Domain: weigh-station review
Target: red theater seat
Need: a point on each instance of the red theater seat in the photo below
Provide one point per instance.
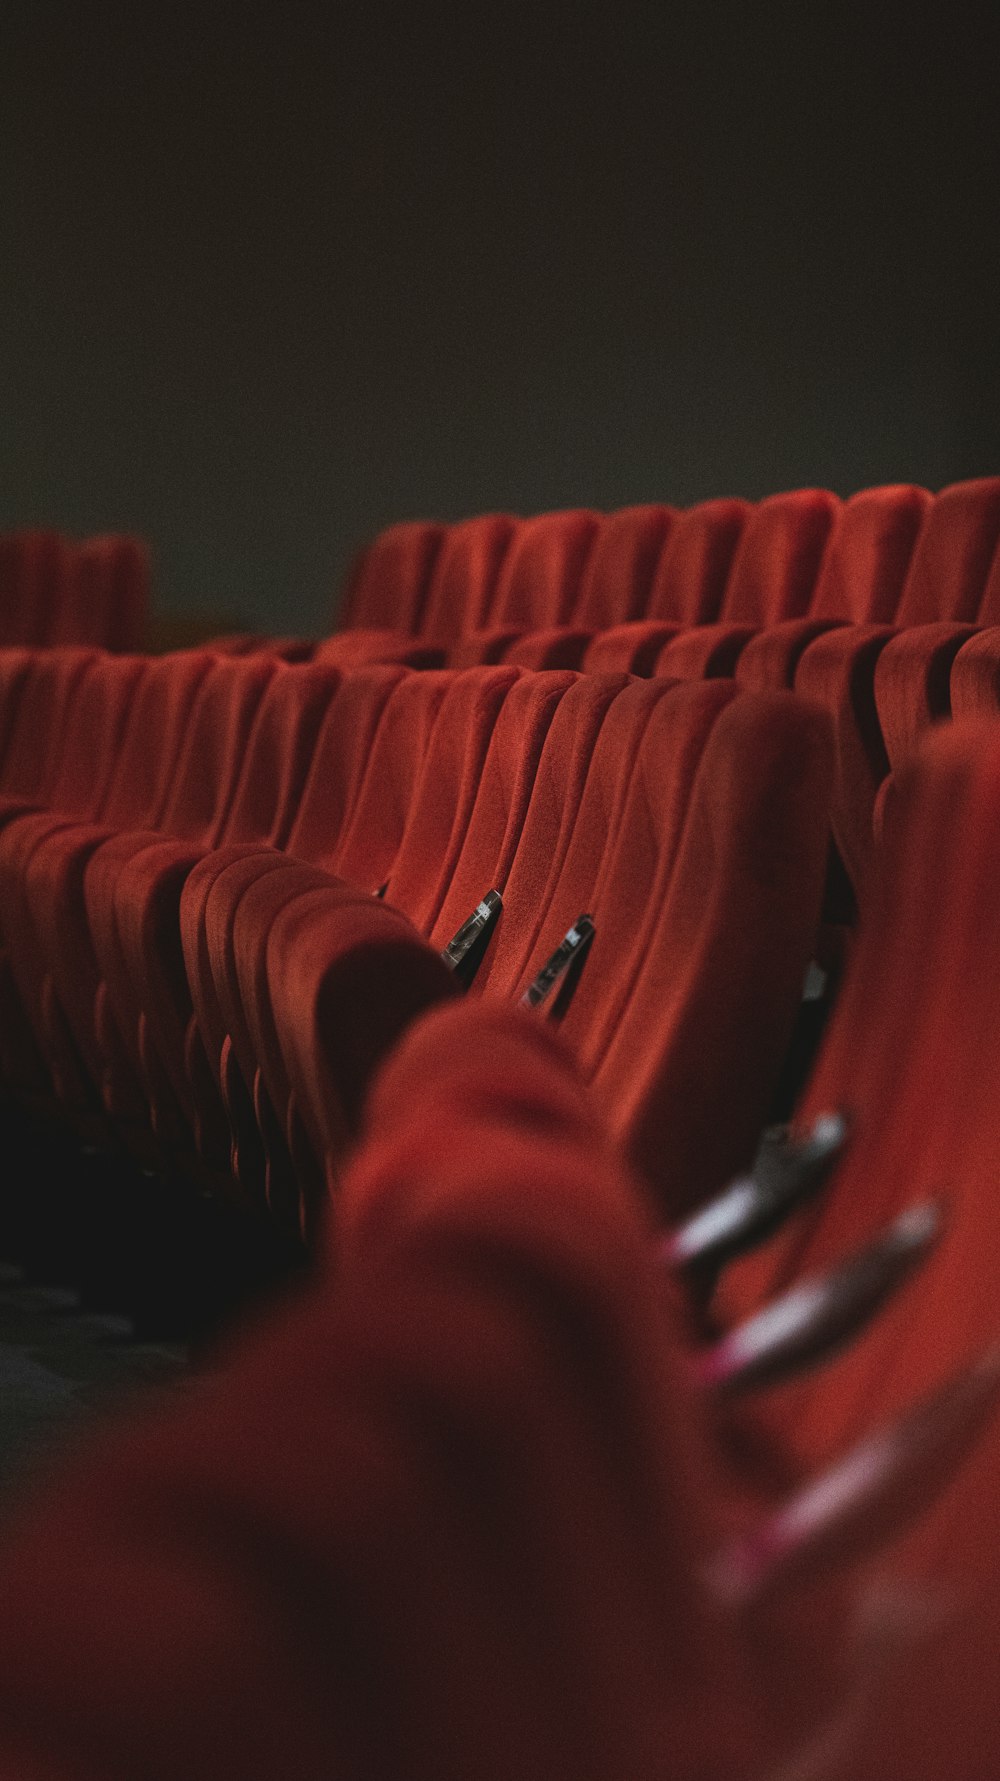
(772, 578)
(860, 580)
(615, 587)
(911, 1054)
(387, 589)
(538, 584)
(687, 589)
(883, 687)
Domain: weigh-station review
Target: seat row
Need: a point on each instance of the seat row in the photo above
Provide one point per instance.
(226, 884)
(57, 592)
(884, 608)
(482, 1500)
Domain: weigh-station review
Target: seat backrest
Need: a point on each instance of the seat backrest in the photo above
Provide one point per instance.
(778, 557)
(364, 851)
(910, 1054)
(869, 554)
(103, 597)
(15, 673)
(388, 586)
(340, 759)
(539, 582)
(445, 792)
(32, 569)
(637, 866)
(503, 794)
(157, 723)
(280, 751)
(34, 753)
(463, 582)
(696, 1050)
(549, 824)
(211, 760)
(591, 866)
(622, 566)
(691, 577)
(89, 756)
(953, 555)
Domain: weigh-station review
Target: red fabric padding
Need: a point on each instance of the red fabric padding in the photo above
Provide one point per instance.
(773, 575)
(445, 792)
(33, 565)
(442, 1521)
(344, 978)
(35, 742)
(691, 1063)
(974, 682)
(204, 783)
(615, 587)
(837, 671)
(570, 753)
(465, 575)
(620, 857)
(503, 797)
(388, 587)
(945, 587)
(58, 956)
(687, 589)
(351, 819)
(105, 597)
(911, 1055)
(90, 762)
(861, 579)
(280, 754)
(954, 553)
(538, 585)
(353, 649)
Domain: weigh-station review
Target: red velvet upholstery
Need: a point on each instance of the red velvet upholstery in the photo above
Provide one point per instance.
(503, 796)
(16, 666)
(352, 649)
(772, 578)
(687, 589)
(244, 904)
(280, 753)
(205, 779)
(615, 587)
(884, 689)
(976, 666)
(51, 894)
(105, 600)
(598, 720)
(911, 1053)
(32, 566)
(389, 585)
(538, 584)
(445, 1520)
(723, 953)
(861, 579)
(463, 585)
(80, 788)
(445, 793)
(56, 593)
(34, 751)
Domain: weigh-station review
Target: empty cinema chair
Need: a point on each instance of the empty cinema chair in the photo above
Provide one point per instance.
(461, 1504)
(538, 584)
(772, 579)
(697, 939)
(884, 684)
(56, 592)
(910, 1053)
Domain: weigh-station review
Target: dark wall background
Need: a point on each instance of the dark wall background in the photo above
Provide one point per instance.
(273, 277)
